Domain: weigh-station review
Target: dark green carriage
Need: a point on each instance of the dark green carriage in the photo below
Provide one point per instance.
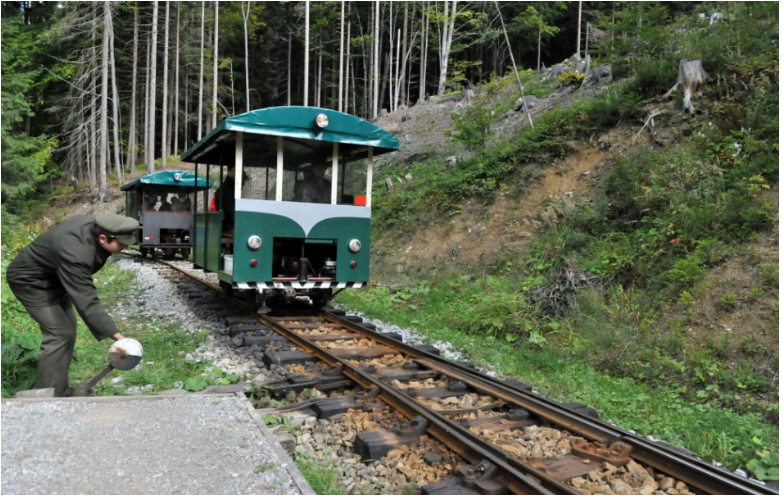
(163, 202)
(279, 240)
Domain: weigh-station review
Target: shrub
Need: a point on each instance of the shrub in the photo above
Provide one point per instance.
(572, 78)
(472, 126)
(655, 76)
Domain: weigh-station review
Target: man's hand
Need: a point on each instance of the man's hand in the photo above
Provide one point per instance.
(117, 336)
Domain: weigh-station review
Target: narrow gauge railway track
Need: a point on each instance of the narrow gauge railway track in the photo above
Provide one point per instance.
(509, 440)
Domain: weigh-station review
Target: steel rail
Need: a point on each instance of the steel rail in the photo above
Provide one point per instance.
(697, 473)
(456, 437)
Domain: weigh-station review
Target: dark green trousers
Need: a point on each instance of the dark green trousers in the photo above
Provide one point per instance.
(58, 332)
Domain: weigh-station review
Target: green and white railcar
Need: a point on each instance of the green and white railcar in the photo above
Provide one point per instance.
(163, 202)
(278, 242)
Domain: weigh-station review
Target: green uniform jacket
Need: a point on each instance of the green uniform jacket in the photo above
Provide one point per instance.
(59, 265)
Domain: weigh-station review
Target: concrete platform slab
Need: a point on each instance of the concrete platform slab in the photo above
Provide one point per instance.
(186, 444)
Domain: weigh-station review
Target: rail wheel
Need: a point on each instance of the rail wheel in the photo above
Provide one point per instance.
(321, 297)
(143, 251)
(227, 288)
(169, 253)
(185, 252)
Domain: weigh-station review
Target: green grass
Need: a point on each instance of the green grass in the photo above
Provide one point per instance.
(165, 343)
(322, 475)
(437, 310)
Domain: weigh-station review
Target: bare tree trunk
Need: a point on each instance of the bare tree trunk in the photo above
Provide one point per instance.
(104, 144)
(445, 45)
(579, 31)
(175, 129)
(307, 54)
(409, 73)
(376, 59)
(201, 74)
(289, 70)
(319, 79)
(153, 88)
(132, 128)
(367, 68)
(587, 44)
(215, 73)
(538, 59)
(516, 73)
(186, 127)
(147, 99)
(245, 17)
(395, 101)
(342, 54)
(93, 149)
(164, 152)
(404, 64)
(347, 68)
(115, 104)
(390, 59)
(425, 36)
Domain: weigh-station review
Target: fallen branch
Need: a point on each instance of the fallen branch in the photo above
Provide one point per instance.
(650, 120)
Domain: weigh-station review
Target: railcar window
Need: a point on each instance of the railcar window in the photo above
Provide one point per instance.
(132, 203)
(352, 183)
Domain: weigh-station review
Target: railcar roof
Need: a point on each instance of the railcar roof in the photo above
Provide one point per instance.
(303, 139)
(178, 178)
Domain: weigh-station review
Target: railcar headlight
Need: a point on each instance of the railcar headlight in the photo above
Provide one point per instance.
(355, 245)
(254, 242)
(322, 120)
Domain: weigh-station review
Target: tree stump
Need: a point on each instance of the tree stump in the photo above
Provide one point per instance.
(691, 77)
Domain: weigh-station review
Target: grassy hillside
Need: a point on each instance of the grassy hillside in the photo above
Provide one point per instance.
(635, 270)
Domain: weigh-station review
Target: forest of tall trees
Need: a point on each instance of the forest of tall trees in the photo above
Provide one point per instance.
(93, 89)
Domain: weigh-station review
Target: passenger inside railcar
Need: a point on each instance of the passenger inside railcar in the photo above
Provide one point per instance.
(315, 188)
(225, 199)
(181, 203)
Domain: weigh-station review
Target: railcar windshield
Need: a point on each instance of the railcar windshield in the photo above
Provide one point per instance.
(162, 199)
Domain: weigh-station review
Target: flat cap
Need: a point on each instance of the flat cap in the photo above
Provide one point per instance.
(119, 227)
